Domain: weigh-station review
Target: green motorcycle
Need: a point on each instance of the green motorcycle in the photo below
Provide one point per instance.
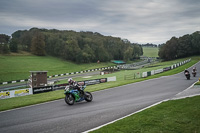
(74, 95)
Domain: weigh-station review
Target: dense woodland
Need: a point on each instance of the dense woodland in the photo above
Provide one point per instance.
(84, 47)
(149, 45)
(187, 45)
(80, 47)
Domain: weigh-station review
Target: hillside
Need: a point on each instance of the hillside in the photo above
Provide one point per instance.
(17, 67)
(150, 51)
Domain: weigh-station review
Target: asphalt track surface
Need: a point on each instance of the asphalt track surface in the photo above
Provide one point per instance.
(107, 105)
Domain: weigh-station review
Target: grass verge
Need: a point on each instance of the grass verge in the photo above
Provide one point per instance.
(197, 83)
(177, 116)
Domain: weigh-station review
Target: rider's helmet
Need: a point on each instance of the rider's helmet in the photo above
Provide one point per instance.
(186, 70)
(70, 80)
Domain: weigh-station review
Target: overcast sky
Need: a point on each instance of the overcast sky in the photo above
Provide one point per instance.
(139, 21)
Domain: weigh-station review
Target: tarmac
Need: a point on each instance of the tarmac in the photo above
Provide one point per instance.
(193, 90)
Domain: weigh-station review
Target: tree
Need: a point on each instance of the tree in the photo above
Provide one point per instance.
(5, 49)
(184, 46)
(128, 54)
(38, 44)
(14, 45)
(196, 43)
(72, 50)
(4, 39)
(171, 51)
(137, 51)
(88, 53)
(26, 39)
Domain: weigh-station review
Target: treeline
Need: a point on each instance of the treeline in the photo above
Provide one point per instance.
(187, 45)
(80, 47)
(149, 45)
(4, 40)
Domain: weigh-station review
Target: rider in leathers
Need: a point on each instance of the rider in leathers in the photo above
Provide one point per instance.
(73, 84)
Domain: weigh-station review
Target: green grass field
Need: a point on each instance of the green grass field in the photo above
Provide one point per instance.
(150, 51)
(18, 67)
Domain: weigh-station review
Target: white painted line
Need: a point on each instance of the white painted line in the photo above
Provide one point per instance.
(141, 109)
(29, 106)
(185, 97)
(123, 117)
(186, 89)
(87, 77)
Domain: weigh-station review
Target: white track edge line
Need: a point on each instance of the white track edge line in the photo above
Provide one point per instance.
(96, 128)
(29, 106)
(124, 117)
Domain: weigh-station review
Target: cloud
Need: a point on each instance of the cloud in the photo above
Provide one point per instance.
(142, 21)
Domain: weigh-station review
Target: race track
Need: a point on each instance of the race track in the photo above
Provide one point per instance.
(107, 105)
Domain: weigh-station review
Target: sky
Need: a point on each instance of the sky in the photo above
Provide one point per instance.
(139, 21)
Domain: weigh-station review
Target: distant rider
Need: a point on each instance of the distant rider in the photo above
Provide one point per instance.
(186, 71)
(194, 69)
(73, 84)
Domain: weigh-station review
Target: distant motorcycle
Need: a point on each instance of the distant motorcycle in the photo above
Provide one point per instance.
(73, 95)
(194, 73)
(187, 75)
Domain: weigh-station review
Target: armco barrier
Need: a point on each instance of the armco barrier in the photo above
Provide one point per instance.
(29, 91)
(145, 74)
(132, 76)
(158, 71)
(15, 93)
(42, 89)
(148, 73)
(152, 72)
(167, 68)
(91, 70)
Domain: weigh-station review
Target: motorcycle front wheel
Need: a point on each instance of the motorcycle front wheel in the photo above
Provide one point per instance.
(88, 97)
(69, 99)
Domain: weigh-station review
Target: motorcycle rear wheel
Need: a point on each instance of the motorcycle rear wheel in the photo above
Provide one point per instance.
(69, 99)
(88, 97)
(188, 78)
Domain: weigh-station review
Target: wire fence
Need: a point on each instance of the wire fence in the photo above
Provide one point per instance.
(133, 76)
